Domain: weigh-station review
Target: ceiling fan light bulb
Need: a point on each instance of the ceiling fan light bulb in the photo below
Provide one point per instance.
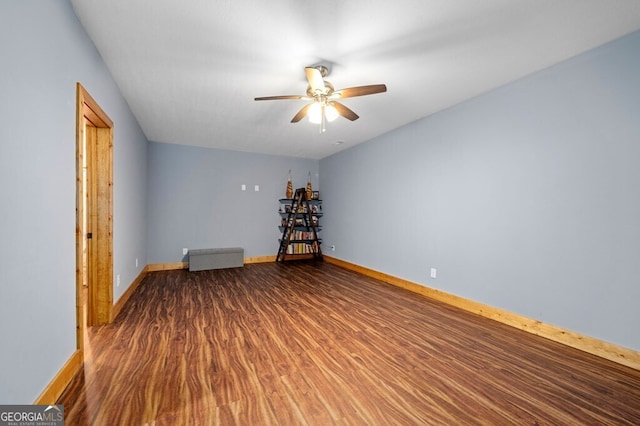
(315, 113)
(330, 112)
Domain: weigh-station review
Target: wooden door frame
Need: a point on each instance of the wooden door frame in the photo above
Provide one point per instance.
(89, 113)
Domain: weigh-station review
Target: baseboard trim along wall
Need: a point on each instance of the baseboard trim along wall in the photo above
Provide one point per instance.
(185, 265)
(54, 389)
(260, 259)
(117, 307)
(167, 266)
(618, 354)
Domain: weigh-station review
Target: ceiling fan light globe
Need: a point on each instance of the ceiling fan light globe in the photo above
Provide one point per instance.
(315, 113)
(330, 113)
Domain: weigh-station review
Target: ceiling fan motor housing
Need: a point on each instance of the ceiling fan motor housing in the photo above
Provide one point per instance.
(317, 94)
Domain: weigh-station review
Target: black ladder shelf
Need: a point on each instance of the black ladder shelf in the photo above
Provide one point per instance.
(300, 209)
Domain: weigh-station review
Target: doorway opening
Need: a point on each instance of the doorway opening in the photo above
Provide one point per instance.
(94, 215)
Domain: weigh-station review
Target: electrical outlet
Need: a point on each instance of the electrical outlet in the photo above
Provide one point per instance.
(434, 272)
(118, 280)
(185, 251)
(136, 262)
(256, 188)
(243, 187)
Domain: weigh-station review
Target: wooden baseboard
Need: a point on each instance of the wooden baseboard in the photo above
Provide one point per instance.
(54, 389)
(117, 307)
(260, 259)
(610, 351)
(167, 266)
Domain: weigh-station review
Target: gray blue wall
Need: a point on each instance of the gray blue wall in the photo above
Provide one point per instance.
(44, 51)
(196, 201)
(526, 198)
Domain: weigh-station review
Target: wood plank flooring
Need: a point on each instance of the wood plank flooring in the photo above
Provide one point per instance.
(314, 344)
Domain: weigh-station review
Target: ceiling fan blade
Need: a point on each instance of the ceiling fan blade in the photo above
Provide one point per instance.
(273, 98)
(359, 91)
(301, 114)
(314, 76)
(344, 111)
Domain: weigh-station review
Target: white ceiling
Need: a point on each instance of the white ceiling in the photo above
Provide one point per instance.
(190, 69)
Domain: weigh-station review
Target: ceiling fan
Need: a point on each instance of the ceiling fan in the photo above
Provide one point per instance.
(325, 106)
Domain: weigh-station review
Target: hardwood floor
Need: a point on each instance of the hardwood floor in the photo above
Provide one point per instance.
(314, 344)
